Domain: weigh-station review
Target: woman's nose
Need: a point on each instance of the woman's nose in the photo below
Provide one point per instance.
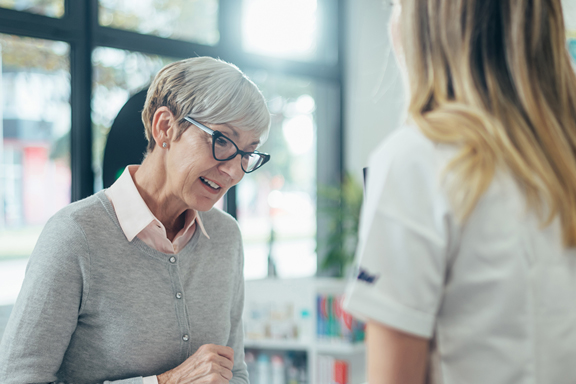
(233, 168)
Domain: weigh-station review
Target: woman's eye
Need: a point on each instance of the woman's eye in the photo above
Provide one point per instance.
(221, 142)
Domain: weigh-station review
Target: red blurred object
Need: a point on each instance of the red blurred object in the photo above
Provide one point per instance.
(340, 372)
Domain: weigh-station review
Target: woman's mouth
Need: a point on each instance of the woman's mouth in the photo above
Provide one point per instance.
(209, 183)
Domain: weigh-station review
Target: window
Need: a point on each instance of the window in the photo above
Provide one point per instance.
(190, 20)
(280, 28)
(287, 29)
(277, 204)
(51, 8)
(35, 174)
(118, 74)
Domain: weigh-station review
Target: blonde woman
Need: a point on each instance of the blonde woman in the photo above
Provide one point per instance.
(467, 259)
(142, 283)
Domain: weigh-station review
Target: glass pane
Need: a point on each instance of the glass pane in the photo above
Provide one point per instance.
(277, 203)
(51, 8)
(118, 74)
(190, 20)
(35, 178)
(283, 28)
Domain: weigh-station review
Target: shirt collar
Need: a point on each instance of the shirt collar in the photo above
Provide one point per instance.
(132, 212)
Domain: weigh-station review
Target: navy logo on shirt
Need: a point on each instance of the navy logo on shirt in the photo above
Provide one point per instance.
(365, 276)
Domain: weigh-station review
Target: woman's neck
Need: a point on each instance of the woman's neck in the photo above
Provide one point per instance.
(152, 184)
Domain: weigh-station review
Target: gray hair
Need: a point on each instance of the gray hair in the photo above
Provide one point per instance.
(208, 90)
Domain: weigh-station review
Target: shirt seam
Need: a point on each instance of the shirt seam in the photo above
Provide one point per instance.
(394, 311)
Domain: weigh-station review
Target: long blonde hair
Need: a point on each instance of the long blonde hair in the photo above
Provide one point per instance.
(495, 78)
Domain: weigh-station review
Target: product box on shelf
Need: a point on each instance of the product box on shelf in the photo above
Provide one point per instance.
(276, 367)
(333, 323)
(330, 370)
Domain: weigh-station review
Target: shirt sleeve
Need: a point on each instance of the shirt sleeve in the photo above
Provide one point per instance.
(150, 380)
(236, 340)
(404, 238)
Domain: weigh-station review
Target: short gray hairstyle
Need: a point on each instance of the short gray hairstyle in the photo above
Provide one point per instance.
(210, 91)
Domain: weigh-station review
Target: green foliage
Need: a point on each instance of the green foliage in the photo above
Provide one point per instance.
(189, 20)
(35, 55)
(341, 208)
(52, 8)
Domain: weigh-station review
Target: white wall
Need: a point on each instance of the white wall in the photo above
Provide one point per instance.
(373, 87)
(570, 14)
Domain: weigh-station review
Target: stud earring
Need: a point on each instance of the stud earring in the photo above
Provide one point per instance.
(164, 145)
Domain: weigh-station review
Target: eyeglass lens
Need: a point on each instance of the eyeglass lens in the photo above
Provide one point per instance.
(225, 149)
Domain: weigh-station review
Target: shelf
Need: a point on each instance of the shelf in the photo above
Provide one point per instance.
(325, 347)
(283, 345)
(284, 308)
(339, 348)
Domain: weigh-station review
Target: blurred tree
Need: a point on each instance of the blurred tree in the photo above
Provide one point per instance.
(52, 8)
(191, 20)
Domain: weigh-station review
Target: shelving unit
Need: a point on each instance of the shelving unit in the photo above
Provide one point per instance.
(280, 315)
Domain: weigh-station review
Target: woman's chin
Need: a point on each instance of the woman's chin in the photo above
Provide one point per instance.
(205, 204)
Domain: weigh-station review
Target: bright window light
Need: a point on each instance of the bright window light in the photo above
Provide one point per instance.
(282, 28)
(299, 134)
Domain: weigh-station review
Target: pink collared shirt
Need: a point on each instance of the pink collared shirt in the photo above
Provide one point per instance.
(136, 220)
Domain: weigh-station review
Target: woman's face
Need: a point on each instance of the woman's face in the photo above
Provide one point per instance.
(194, 176)
(394, 30)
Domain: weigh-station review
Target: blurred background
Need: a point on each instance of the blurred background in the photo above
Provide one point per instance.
(68, 67)
(324, 66)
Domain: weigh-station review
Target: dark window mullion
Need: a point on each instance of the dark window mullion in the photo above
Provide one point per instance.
(81, 93)
(285, 67)
(37, 26)
(133, 41)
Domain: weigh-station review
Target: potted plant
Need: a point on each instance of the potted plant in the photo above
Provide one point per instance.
(340, 207)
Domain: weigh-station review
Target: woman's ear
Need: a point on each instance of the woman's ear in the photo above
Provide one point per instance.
(163, 129)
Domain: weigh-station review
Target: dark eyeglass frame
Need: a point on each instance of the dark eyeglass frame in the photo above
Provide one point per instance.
(216, 134)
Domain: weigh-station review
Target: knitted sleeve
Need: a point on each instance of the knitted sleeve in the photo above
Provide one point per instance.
(45, 314)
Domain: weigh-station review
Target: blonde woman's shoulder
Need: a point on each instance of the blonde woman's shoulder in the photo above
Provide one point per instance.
(408, 144)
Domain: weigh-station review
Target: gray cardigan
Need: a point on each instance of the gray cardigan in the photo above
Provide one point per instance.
(95, 307)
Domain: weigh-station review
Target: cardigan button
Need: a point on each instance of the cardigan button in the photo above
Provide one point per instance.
(185, 338)
(172, 259)
(178, 295)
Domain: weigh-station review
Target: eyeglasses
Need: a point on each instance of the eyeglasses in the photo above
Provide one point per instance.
(224, 149)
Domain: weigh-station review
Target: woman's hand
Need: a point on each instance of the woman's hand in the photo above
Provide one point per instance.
(211, 364)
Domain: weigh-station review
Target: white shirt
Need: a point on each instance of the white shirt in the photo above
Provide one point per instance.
(497, 295)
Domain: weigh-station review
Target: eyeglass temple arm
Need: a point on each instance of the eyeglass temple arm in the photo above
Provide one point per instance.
(199, 125)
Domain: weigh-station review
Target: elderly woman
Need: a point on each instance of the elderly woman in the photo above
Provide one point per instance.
(142, 282)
